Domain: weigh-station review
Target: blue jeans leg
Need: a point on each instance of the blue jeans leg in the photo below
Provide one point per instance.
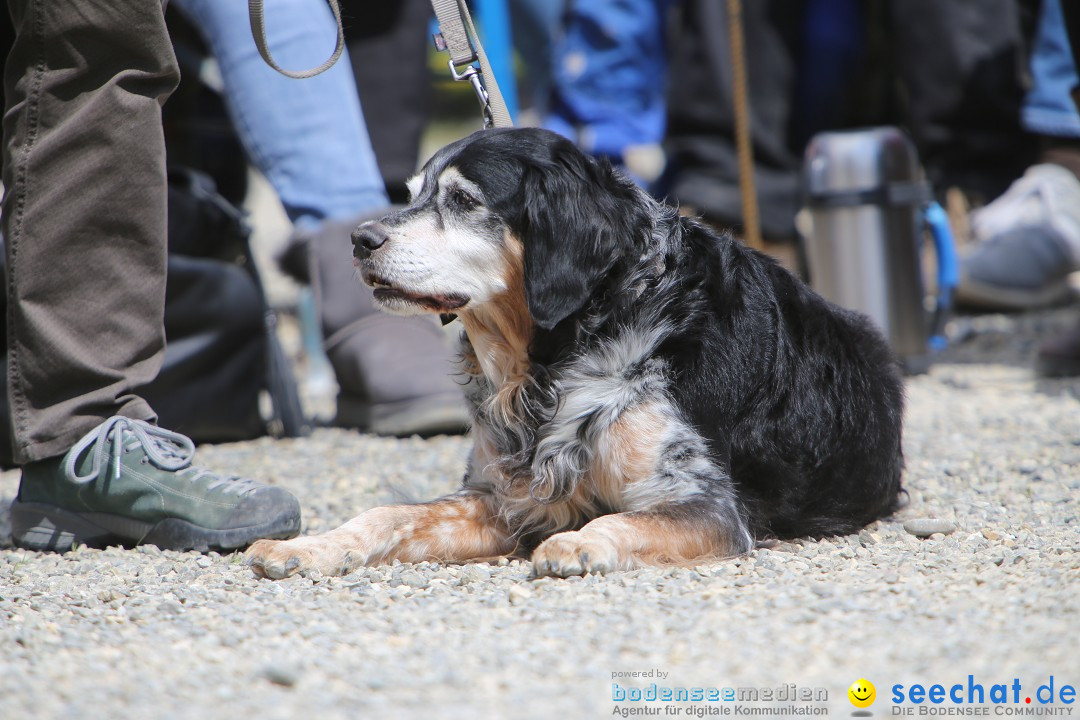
(1048, 107)
(306, 136)
(610, 75)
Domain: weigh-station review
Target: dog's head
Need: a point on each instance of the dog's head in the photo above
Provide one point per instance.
(515, 210)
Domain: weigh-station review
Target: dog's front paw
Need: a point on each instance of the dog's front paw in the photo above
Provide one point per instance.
(575, 553)
(276, 559)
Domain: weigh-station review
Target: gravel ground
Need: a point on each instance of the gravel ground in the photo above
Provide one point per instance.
(993, 458)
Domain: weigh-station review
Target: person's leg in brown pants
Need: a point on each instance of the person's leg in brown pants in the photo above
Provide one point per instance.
(84, 215)
(84, 220)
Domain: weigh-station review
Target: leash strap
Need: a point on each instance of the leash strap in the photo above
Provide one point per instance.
(458, 36)
(258, 31)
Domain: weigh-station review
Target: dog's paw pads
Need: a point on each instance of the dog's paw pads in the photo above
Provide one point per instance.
(574, 553)
(277, 559)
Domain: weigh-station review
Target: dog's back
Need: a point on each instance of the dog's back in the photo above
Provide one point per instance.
(802, 397)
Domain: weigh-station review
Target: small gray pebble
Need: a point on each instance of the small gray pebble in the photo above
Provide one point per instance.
(413, 579)
(281, 673)
(477, 573)
(925, 527)
(170, 607)
(519, 594)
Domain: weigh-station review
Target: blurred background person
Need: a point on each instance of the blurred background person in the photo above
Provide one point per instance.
(310, 139)
(1028, 240)
(951, 73)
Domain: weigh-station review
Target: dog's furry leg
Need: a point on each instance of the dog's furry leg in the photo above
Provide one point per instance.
(454, 529)
(623, 541)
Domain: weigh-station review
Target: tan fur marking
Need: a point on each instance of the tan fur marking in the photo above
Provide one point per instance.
(624, 462)
(626, 541)
(500, 332)
(628, 452)
(456, 534)
(454, 529)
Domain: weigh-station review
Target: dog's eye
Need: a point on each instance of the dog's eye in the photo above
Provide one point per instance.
(461, 200)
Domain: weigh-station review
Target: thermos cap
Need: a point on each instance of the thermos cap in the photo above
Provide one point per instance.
(870, 166)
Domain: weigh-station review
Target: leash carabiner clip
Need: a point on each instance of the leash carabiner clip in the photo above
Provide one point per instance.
(472, 74)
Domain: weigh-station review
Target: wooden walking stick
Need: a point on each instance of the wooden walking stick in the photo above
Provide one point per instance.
(743, 144)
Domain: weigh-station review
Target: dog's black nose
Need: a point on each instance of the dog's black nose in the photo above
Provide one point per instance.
(367, 238)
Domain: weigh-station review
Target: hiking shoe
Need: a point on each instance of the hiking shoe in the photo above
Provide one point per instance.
(394, 375)
(424, 416)
(130, 482)
(1023, 268)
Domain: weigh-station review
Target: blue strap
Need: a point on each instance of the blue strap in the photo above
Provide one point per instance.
(948, 270)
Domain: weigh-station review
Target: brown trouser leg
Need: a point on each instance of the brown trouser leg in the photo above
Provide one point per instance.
(84, 214)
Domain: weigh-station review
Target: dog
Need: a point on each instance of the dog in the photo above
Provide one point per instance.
(643, 389)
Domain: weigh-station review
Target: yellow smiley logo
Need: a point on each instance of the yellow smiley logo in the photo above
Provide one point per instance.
(862, 693)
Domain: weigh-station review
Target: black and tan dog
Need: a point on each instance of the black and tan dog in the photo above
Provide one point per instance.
(643, 390)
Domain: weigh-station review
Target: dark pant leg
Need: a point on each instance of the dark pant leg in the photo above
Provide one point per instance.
(84, 214)
(388, 50)
(962, 66)
(700, 138)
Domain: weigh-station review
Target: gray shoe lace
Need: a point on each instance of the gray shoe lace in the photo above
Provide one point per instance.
(166, 450)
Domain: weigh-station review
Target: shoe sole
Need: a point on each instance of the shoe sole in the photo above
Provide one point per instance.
(422, 416)
(37, 526)
(974, 294)
(1057, 367)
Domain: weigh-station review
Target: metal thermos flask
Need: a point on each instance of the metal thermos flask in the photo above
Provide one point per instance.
(868, 204)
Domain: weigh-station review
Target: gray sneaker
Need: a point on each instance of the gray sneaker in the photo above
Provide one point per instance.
(1029, 243)
(1047, 195)
(395, 379)
(130, 482)
(1023, 268)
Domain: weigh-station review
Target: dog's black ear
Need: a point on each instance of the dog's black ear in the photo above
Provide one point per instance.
(577, 219)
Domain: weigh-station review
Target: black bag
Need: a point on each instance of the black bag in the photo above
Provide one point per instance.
(222, 355)
(222, 352)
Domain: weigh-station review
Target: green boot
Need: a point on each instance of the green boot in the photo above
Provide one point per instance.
(129, 482)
